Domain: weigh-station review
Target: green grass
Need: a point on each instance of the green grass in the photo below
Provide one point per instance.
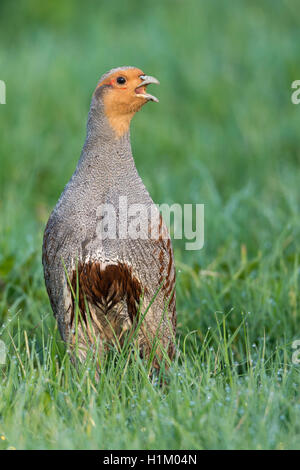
(225, 134)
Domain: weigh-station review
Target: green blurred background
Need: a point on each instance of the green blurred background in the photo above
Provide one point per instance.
(225, 134)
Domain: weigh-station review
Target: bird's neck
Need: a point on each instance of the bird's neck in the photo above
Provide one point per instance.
(106, 167)
(104, 152)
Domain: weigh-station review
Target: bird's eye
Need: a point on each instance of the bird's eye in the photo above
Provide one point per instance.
(121, 80)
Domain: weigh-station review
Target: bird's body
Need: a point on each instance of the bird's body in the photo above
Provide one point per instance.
(111, 278)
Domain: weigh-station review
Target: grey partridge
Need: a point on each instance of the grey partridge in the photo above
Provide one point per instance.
(111, 281)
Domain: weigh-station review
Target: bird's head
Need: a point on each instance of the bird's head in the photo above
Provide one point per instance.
(122, 92)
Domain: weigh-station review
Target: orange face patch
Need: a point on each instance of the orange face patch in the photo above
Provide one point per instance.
(120, 98)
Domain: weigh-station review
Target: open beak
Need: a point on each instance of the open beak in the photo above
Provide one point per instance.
(141, 88)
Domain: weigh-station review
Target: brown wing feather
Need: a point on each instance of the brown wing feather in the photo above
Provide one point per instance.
(168, 278)
(105, 286)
